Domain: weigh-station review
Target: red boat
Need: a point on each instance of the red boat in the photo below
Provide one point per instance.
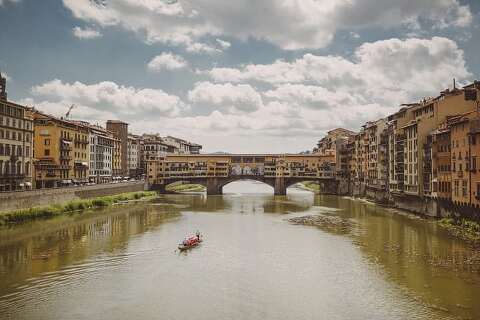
(190, 242)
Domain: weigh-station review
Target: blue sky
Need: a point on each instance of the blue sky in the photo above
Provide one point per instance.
(243, 76)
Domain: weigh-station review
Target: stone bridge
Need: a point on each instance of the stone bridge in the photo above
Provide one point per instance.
(214, 171)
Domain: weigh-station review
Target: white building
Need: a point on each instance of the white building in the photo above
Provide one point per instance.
(154, 146)
(182, 146)
(101, 155)
(133, 154)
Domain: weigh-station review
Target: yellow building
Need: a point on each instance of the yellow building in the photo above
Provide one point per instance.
(465, 151)
(116, 157)
(61, 151)
(427, 116)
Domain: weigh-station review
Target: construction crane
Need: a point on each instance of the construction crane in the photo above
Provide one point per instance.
(69, 110)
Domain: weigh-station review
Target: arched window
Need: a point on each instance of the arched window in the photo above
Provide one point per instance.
(19, 151)
(19, 167)
(12, 168)
(27, 168)
(1, 167)
(6, 169)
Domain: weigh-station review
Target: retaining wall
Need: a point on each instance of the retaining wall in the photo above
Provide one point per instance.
(43, 197)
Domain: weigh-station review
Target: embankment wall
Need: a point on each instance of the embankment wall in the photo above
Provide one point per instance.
(43, 197)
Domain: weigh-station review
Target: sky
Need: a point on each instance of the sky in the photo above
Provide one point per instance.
(236, 76)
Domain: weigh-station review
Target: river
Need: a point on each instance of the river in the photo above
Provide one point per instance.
(121, 262)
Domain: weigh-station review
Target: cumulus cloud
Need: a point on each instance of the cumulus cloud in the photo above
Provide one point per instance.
(229, 97)
(110, 98)
(391, 69)
(167, 61)
(86, 33)
(288, 24)
(333, 91)
(297, 100)
(315, 97)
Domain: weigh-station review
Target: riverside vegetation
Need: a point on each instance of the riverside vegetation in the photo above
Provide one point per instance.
(462, 228)
(187, 187)
(24, 215)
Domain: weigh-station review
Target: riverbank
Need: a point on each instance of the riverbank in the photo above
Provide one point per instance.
(23, 215)
(18, 200)
(461, 228)
(181, 188)
(309, 185)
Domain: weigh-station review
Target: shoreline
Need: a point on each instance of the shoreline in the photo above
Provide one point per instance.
(460, 228)
(185, 188)
(45, 212)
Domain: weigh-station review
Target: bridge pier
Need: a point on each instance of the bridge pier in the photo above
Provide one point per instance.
(214, 188)
(157, 187)
(280, 188)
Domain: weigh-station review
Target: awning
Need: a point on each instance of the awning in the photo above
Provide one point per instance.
(28, 184)
(66, 142)
(21, 185)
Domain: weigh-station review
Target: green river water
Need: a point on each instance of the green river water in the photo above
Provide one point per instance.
(121, 262)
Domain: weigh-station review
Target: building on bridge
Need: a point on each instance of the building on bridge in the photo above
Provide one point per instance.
(214, 170)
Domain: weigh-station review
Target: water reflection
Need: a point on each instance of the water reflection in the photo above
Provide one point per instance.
(253, 264)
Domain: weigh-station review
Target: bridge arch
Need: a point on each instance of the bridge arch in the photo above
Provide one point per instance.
(269, 184)
(262, 179)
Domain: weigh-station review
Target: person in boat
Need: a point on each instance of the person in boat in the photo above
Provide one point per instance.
(198, 235)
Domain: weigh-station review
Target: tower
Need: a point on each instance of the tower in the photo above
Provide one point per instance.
(120, 131)
(3, 87)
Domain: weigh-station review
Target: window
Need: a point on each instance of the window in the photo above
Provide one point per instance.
(464, 188)
(47, 142)
(47, 152)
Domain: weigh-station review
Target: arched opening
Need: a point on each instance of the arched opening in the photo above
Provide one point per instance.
(247, 186)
